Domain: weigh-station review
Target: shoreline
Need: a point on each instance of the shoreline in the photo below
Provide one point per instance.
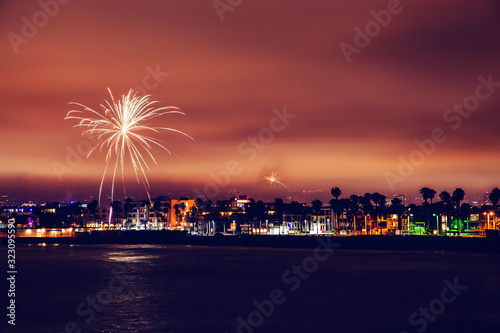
(360, 242)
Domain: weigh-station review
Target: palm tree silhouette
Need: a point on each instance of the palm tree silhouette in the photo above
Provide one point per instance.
(92, 206)
(316, 206)
(336, 193)
(354, 208)
(338, 207)
(457, 196)
(446, 206)
(379, 201)
(298, 209)
(165, 211)
(366, 203)
(117, 210)
(156, 208)
(398, 208)
(127, 207)
(176, 212)
(427, 194)
(198, 211)
(494, 196)
(278, 208)
(260, 210)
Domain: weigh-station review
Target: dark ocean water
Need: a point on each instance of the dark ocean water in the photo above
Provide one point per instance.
(178, 289)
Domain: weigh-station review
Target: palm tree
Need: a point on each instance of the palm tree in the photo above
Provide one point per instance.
(92, 206)
(445, 197)
(465, 210)
(194, 217)
(494, 196)
(156, 208)
(199, 204)
(427, 194)
(199, 209)
(457, 196)
(176, 212)
(117, 210)
(379, 201)
(336, 207)
(316, 206)
(127, 207)
(336, 192)
(76, 212)
(165, 211)
(446, 205)
(215, 215)
(146, 205)
(366, 203)
(278, 208)
(260, 210)
(297, 209)
(354, 208)
(182, 208)
(339, 207)
(333, 205)
(398, 208)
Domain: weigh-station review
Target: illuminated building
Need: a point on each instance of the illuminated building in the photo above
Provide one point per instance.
(179, 209)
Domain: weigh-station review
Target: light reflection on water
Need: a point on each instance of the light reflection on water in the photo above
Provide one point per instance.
(204, 289)
(128, 258)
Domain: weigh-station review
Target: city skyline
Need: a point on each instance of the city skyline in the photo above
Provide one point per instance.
(302, 106)
(303, 196)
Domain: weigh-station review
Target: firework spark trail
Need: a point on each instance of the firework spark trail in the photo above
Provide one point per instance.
(118, 127)
(274, 179)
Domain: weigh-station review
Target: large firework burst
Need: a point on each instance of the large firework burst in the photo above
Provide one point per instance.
(122, 130)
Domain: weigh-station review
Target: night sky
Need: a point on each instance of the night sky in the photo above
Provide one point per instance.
(354, 118)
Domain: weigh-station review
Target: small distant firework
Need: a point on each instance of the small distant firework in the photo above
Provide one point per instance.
(274, 180)
(120, 129)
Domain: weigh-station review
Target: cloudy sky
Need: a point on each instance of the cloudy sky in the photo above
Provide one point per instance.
(356, 103)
